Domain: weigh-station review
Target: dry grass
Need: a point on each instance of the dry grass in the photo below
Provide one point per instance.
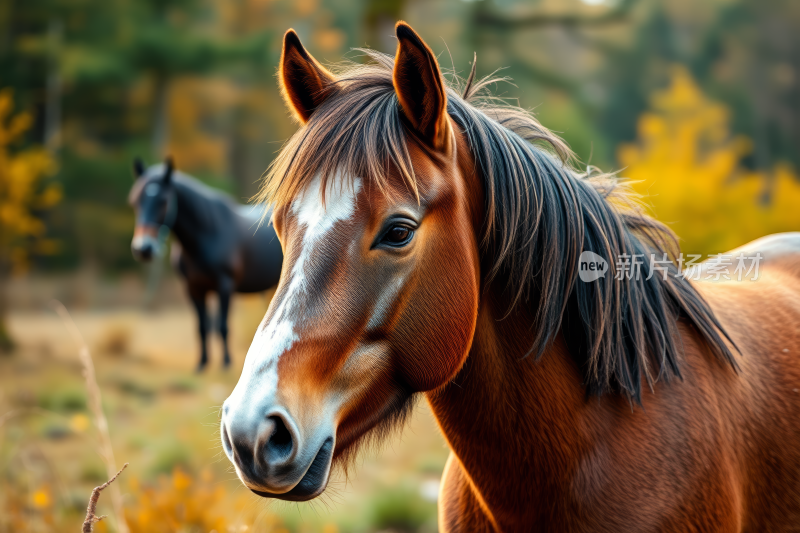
(116, 340)
(91, 511)
(96, 407)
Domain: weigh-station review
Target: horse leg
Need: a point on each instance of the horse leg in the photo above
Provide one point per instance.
(224, 292)
(198, 297)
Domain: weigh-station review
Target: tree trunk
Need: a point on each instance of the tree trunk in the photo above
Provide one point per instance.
(52, 110)
(7, 344)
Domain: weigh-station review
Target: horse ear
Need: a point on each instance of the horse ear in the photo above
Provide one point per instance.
(304, 83)
(138, 168)
(420, 88)
(169, 166)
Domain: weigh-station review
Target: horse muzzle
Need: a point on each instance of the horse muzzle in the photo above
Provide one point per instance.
(272, 456)
(144, 245)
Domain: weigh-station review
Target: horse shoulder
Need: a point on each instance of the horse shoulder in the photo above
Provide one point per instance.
(261, 252)
(459, 507)
(223, 239)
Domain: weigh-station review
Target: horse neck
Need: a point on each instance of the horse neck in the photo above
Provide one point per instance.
(191, 219)
(510, 419)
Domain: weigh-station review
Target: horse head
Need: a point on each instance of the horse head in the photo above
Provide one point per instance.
(153, 201)
(379, 290)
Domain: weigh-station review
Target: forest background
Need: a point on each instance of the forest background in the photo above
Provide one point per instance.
(697, 102)
(105, 81)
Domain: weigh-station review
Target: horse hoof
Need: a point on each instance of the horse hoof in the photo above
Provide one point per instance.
(200, 368)
(226, 364)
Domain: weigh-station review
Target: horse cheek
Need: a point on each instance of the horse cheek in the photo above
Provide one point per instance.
(441, 323)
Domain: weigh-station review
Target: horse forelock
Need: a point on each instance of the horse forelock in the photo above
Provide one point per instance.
(136, 191)
(153, 173)
(540, 215)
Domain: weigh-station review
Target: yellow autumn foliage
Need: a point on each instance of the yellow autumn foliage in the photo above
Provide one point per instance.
(185, 504)
(688, 167)
(23, 195)
(26, 508)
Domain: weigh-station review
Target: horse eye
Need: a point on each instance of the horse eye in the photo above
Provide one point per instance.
(398, 236)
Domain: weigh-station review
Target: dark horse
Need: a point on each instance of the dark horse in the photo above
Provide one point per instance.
(222, 248)
(434, 246)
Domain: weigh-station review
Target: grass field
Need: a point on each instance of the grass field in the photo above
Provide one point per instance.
(164, 421)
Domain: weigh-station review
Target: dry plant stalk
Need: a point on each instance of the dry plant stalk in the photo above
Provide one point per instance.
(91, 517)
(93, 390)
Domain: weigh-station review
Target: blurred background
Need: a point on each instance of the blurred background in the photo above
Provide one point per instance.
(696, 101)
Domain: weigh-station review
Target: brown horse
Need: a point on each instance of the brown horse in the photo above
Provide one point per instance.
(432, 241)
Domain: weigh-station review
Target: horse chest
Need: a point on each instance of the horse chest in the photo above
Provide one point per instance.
(196, 269)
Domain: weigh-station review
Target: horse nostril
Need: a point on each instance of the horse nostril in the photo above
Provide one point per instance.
(263, 448)
(280, 443)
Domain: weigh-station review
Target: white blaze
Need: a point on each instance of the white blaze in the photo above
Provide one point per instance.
(274, 338)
